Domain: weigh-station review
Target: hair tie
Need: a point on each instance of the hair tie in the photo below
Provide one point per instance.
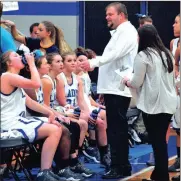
(38, 54)
(80, 53)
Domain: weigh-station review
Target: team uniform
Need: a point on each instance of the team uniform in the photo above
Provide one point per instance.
(53, 92)
(39, 95)
(71, 90)
(87, 84)
(53, 100)
(13, 115)
(176, 117)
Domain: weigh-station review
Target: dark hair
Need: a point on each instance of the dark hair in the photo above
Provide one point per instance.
(144, 19)
(120, 7)
(178, 15)
(149, 38)
(38, 61)
(1, 9)
(32, 26)
(4, 58)
(50, 57)
(64, 55)
(80, 51)
(90, 53)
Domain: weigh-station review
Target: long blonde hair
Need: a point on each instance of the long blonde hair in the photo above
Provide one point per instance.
(57, 37)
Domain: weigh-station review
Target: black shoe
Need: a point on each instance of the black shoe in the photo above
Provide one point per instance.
(81, 169)
(175, 167)
(176, 178)
(56, 176)
(112, 174)
(92, 153)
(150, 163)
(147, 180)
(126, 170)
(106, 161)
(46, 175)
(69, 175)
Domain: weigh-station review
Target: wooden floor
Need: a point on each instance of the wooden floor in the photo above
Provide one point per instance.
(145, 173)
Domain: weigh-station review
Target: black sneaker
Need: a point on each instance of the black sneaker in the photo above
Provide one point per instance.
(176, 178)
(106, 161)
(175, 167)
(46, 175)
(67, 174)
(80, 169)
(92, 153)
(112, 174)
(55, 176)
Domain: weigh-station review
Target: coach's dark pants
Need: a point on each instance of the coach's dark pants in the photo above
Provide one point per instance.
(117, 131)
(156, 126)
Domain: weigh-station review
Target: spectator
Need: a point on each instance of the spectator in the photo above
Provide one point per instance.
(34, 30)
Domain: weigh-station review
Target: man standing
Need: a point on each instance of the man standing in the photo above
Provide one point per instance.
(119, 53)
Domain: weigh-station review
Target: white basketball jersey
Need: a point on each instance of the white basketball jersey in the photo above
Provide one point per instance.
(39, 95)
(86, 83)
(175, 45)
(53, 92)
(71, 90)
(12, 106)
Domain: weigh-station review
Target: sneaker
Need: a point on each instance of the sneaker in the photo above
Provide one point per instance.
(79, 168)
(106, 161)
(92, 153)
(67, 174)
(45, 175)
(176, 178)
(134, 135)
(55, 176)
(175, 167)
(112, 174)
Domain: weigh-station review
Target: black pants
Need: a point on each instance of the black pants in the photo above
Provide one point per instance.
(74, 129)
(117, 131)
(156, 126)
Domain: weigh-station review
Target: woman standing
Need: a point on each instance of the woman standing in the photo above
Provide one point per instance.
(154, 79)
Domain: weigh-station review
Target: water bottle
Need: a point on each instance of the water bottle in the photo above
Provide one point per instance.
(77, 111)
(93, 115)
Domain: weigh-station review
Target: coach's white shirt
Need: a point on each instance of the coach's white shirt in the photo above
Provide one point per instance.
(120, 52)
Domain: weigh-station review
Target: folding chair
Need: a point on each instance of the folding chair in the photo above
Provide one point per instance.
(14, 149)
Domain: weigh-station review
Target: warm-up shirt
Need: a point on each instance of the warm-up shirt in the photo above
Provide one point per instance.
(119, 53)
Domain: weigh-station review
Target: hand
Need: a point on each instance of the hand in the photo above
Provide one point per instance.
(124, 80)
(30, 59)
(64, 119)
(51, 117)
(101, 106)
(56, 123)
(92, 121)
(8, 22)
(85, 65)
